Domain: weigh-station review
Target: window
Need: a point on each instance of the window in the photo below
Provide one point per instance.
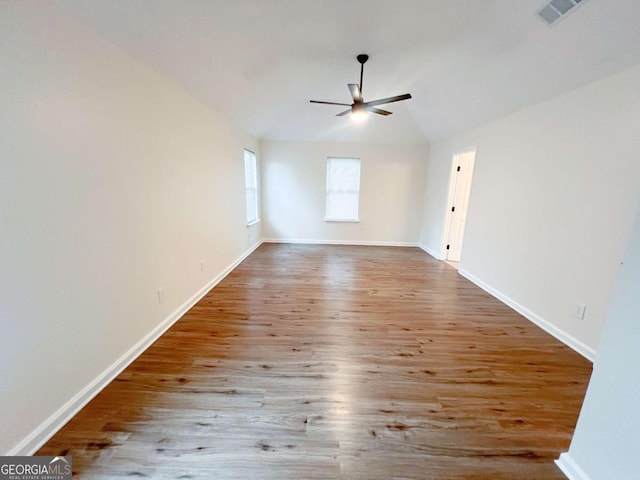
(343, 189)
(251, 186)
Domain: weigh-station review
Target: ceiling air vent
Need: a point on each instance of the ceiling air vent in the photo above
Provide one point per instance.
(556, 9)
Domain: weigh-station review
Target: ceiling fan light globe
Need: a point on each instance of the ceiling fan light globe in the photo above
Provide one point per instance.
(359, 115)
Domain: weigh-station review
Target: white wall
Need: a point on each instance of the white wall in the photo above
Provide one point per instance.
(552, 203)
(391, 192)
(606, 442)
(113, 183)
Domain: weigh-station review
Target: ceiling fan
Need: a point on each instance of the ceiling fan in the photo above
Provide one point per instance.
(359, 107)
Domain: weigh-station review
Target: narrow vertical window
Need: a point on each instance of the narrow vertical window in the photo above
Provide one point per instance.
(251, 186)
(343, 189)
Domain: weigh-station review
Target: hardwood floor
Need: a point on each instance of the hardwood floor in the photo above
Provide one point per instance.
(337, 362)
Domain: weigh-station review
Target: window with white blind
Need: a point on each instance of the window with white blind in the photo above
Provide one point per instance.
(343, 189)
(251, 186)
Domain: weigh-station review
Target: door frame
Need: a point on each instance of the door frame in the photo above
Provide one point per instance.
(450, 196)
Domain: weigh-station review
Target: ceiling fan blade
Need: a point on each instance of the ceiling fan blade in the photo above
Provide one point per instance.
(379, 111)
(355, 92)
(330, 103)
(382, 101)
(343, 113)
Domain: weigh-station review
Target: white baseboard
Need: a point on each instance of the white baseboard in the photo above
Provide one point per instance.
(570, 468)
(38, 437)
(430, 251)
(572, 342)
(341, 242)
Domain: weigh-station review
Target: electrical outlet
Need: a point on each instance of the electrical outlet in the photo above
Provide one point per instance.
(161, 295)
(579, 311)
(202, 266)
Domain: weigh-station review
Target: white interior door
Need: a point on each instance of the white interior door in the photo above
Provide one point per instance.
(461, 188)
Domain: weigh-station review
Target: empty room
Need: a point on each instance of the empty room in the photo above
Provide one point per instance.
(320, 239)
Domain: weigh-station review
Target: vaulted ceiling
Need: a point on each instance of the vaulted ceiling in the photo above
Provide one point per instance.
(259, 62)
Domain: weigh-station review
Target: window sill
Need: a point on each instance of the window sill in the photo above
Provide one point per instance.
(342, 220)
(253, 222)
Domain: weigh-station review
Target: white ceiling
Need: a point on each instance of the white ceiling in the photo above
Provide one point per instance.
(259, 62)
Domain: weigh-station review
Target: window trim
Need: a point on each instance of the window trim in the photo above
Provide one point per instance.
(254, 190)
(327, 192)
(337, 220)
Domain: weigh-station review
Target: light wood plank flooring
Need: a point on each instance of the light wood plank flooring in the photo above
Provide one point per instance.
(337, 362)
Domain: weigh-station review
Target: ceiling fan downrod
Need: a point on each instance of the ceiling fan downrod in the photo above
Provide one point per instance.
(362, 58)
